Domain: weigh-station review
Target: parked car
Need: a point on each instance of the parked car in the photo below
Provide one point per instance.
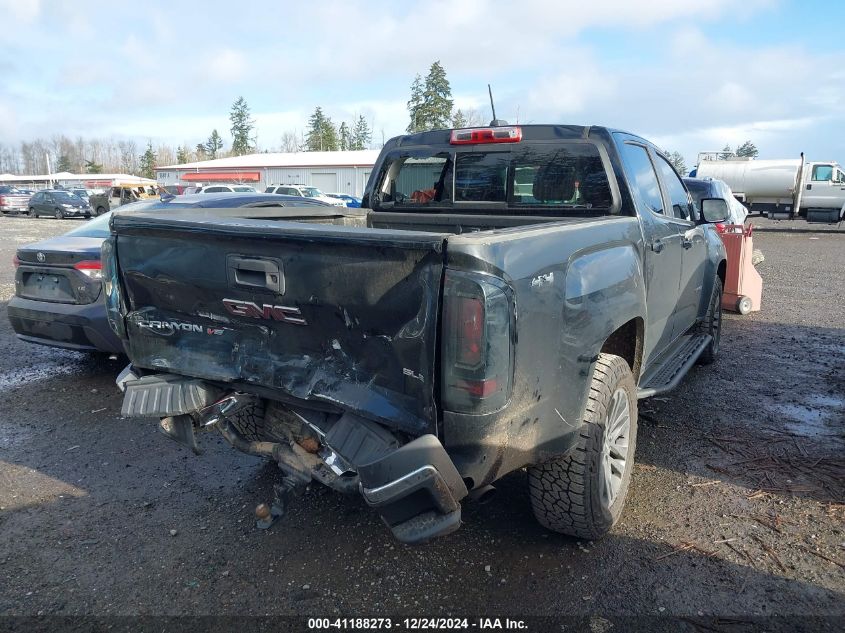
(58, 203)
(13, 200)
(81, 192)
(305, 192)
(176, 190)
(701, 188)
(225, 189)
(57, 298)
(458, 332)
(351, 201)
(120, 194)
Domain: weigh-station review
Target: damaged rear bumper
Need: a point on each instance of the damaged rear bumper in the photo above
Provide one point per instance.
(415, 487)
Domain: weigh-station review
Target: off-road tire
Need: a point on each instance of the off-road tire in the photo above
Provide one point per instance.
(712, 325)
(566, 492)
(249, 422)
(101, 210)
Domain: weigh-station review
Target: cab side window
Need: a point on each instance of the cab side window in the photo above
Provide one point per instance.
(822, 172)
(642, 176)
(681, 207)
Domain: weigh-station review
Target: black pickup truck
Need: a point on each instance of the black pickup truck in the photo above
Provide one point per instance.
(500, 301)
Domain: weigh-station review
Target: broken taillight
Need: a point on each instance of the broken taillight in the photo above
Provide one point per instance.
(477, 347)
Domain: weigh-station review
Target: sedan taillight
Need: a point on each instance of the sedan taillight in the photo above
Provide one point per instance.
(90, 268)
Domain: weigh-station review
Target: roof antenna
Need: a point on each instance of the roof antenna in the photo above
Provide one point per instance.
(495, 122)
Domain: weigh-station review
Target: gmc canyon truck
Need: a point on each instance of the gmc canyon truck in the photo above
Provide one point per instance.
(500, 302)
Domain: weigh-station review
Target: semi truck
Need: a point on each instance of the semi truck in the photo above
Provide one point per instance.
(781, 188)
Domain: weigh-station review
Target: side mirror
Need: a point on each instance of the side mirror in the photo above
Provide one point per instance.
(714, 210)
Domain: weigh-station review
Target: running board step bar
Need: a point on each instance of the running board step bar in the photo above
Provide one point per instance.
(673, 366)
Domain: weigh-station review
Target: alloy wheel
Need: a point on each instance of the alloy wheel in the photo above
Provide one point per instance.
(614, 453)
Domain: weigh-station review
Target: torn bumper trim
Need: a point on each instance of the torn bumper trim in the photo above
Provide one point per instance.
(162, 395)
(416, 489)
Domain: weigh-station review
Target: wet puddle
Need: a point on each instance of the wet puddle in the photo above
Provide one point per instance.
(24, 376)
(814, 416)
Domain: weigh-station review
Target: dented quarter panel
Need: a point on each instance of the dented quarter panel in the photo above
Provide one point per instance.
(369, 299)
(574, 283)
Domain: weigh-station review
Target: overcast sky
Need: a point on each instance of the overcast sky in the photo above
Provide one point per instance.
(690, 75)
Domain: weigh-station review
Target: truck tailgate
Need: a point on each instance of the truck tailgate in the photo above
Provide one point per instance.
(346, 316)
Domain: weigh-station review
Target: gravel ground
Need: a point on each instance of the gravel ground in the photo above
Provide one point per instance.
(735, 510)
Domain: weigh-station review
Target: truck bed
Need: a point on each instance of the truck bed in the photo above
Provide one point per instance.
(351, 324)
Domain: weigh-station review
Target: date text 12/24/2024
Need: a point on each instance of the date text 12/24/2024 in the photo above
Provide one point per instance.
(416, 624)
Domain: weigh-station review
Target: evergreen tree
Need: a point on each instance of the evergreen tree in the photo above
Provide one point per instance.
(93, 168)
(147, 162)
(361, 135)
(213, 145)
(63, 163)
(200, 151)
(242, 127)
(747, 149)
(345, 137)
(677, 162)
(459, 119)
(726, 153)
(415, 104)
(181, 155)
(437, 99)
(322, 135)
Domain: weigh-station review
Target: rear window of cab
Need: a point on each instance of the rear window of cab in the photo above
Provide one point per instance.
(555, 177)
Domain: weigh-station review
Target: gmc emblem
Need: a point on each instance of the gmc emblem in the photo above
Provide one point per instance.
(266, 311)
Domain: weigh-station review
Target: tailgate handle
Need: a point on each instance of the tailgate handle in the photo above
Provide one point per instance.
(254, 273)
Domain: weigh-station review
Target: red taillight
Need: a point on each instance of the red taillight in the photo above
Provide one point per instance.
(15, 261)
(479, 388)
(2, 201)
(90, 268)
(471, 136)
(477, 347)
(470, 330)
(720, 228)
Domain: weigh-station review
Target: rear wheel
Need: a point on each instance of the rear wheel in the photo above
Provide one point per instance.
(101, 210)
(744, 305)
(60, 215)
(582, 493)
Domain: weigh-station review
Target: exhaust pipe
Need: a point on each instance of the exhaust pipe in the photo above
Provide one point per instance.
(483, 495)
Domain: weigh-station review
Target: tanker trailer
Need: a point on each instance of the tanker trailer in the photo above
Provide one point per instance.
(782, 188)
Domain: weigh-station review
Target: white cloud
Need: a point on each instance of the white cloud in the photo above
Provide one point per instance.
(174, 75)
(574, 89)
(12, 11)
(226, 65)
(8, 120)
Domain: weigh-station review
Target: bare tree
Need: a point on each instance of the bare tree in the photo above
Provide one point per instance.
(290, 143)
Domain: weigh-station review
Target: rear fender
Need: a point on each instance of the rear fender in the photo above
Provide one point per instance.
(566, 308)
